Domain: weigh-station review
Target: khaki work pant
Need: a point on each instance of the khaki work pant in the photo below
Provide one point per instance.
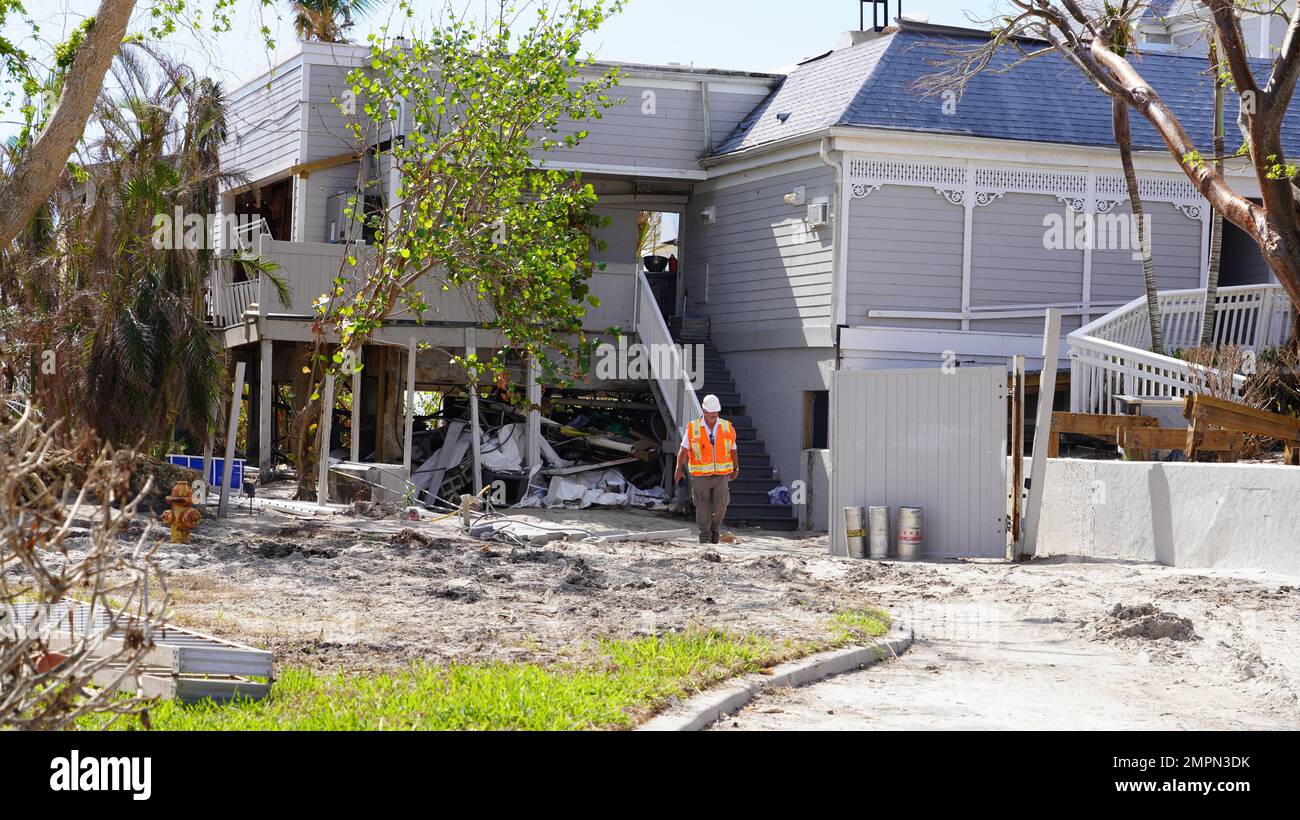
(712, 494)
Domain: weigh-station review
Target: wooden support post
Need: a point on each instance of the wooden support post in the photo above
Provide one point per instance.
(355, 437)
(476, 434)
(1046, 396)
(325, 431)
(410, 405)
(1017, 446)
(265, 407)
(232, 428)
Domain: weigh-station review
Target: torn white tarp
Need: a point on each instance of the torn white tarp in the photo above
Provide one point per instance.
(504, 452)
(599, 488)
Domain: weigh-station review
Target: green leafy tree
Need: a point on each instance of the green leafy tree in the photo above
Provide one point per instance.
(476, 210)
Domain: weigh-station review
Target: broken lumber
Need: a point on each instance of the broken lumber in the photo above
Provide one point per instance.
(588, 468)
(657, 535)
(1203, 410)
(1138, 442)
(1095, 425)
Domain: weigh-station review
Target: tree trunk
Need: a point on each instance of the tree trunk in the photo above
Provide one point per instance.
(1124, 139)
(31, 182)
(1216, 221)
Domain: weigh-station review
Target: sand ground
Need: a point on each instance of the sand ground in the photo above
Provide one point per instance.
(1040, 644)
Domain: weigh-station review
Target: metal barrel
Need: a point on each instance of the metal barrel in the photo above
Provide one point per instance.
(910, 532)
(878, 527)
(855, 531)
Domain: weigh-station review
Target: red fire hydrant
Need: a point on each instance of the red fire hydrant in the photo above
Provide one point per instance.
(182, 517)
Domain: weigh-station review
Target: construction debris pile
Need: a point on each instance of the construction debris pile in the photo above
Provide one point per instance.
(594, 452)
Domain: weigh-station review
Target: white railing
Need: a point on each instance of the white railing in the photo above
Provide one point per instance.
(1111, 357)
(668, 369)
(245, 236)
(309, 269)
(231, 300)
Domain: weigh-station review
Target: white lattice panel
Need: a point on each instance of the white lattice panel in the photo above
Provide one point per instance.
(907, 173)
(1163, 189)
(1031, 181)
(986, 184)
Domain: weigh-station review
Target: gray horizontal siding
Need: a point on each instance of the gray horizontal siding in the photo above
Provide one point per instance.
(1032, 326)
(1009, 263)
(328, 134)
(759, 267)
(670, 138)
(265, 122)
(1175, 250)
(320, 186)
(905, 253)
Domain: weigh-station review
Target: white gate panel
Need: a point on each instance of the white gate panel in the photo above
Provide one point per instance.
(923, 438)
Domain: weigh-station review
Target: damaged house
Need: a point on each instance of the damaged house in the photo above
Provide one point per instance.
(831, 218)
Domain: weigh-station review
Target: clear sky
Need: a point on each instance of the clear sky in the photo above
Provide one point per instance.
(751, 35)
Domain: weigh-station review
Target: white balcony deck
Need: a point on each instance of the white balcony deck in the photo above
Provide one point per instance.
(309, 270)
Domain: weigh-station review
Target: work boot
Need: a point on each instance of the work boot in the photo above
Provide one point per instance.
(704, 539)
(715, 538)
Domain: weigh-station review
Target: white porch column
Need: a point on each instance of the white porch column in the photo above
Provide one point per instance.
(967, 239)
(355, 454)
(534, 437)
(325, 431)
(1090, 203)
(232, 427)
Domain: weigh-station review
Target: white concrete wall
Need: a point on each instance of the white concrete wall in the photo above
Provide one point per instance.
(1225, 516)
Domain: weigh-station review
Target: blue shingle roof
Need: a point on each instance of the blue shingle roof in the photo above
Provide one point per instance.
(1041, 100)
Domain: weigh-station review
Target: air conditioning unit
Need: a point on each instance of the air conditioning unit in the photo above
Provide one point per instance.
(819, 214)
(345, 227)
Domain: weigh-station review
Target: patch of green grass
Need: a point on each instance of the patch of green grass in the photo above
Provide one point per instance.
(858, 625)
(622, 682)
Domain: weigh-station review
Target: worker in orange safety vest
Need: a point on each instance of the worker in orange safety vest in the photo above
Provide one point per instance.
(709, 454)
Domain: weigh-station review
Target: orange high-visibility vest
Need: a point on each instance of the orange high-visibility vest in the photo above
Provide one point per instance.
(708, 458)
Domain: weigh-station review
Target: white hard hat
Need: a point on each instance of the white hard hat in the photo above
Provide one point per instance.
(712, 405)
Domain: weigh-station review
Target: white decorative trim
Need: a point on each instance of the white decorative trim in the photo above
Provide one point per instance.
(907, 173)
(1031, 181)
(1164, 189)
(976, 186)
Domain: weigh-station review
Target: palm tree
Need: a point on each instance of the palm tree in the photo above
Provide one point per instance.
(1124, 139)
(1120, 37)
(327, 21)
(151, 364)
